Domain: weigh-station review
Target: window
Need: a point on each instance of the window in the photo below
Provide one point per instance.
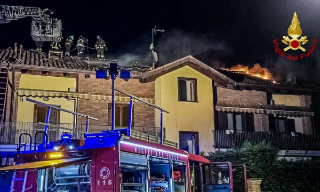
(281, 124)
(235, 121)
(121, 114)
(187, 89)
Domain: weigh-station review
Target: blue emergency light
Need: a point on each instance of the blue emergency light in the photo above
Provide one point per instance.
(66, 136)
(125, 74)
(101, 74)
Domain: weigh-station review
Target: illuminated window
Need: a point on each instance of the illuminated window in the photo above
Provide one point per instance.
(187, 89)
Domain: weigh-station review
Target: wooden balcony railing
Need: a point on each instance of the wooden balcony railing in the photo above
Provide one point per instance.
(283, 141)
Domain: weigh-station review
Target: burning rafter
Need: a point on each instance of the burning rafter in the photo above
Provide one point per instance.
(255, 71)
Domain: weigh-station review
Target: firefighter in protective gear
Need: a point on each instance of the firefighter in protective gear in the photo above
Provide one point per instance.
(55, 45)
(39, 45)
(80, 45)
(100, 46)
(68, 45)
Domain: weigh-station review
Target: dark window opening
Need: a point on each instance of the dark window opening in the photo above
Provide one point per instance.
(40, 114)
(121, 114)
(237, 122)
(187, 89)
(281, 124)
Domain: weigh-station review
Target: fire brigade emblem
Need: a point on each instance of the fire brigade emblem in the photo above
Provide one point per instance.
(294, 31)
(104, 173)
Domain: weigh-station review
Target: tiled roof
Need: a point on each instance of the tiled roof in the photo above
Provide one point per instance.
(33, 58)
(247, 80)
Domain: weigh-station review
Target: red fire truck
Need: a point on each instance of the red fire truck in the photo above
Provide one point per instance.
(108, 161)
(111, 161)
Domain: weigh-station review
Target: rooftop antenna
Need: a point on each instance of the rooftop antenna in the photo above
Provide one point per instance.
(154, 54)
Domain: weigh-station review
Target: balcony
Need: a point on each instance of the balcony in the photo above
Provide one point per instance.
(283, 141)
(9, 132)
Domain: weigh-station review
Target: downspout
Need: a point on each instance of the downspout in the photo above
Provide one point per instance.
(12, 96)
(75, 119)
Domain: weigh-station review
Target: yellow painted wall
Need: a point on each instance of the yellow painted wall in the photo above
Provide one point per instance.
(289, 100)
(186, 116)
(26, 109)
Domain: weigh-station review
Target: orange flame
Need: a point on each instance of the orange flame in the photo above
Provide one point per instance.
(256, 71)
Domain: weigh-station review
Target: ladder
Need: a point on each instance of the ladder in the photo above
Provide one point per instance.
(24, 179)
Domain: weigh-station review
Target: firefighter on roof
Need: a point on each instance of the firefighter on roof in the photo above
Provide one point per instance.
(39, 45)
(68, 44)
(55, 45)
(80, 45)
(100, 46)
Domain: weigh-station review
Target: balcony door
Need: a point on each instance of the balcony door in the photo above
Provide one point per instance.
(236, 122)
(281, 124)
(40, 114)
(121, 115)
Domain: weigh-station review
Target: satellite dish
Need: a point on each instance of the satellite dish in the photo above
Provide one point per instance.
(154, 56)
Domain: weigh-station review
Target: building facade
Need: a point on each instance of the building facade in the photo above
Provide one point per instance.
(209, 109)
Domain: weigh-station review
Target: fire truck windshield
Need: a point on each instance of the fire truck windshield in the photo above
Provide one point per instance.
(215, 174)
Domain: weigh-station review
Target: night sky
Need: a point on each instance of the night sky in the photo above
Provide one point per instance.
(219, 33)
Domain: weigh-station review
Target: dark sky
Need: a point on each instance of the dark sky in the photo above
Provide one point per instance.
(230, 31)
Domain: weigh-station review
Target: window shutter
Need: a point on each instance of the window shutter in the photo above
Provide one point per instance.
(182, 90)
(222, 120)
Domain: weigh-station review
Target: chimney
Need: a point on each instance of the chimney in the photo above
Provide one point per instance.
(15, 48)
(294, 79)
(271, 102)
(20, 49)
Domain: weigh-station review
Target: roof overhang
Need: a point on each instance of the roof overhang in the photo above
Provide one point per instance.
(271, 88)
(277, 110)
(76, 95)
(191, 62)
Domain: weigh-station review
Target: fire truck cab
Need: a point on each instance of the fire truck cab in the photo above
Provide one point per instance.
(106, 161)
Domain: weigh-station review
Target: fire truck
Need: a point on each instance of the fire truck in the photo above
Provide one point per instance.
(112, 161)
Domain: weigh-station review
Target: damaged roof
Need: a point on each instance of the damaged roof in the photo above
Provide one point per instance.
(246, 81)
(35, 60)
(32, 59)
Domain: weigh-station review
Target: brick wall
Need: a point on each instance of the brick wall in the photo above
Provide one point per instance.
(143, 114)
(241, 95)
(261, 121)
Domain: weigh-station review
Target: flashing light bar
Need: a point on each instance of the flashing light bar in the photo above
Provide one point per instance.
(152, 148)
(56, 155)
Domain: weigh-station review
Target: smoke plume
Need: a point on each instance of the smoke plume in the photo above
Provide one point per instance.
(170, 46)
